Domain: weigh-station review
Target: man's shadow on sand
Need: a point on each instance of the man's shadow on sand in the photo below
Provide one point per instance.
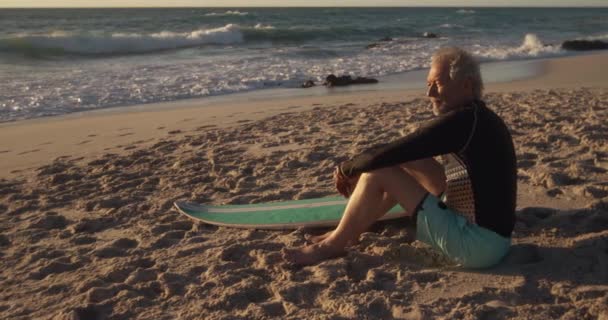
(580, 253)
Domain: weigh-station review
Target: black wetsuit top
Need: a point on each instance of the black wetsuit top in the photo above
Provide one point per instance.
(480, 140)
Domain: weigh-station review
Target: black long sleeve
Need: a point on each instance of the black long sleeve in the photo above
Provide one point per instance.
(479, 139)
(446, 134)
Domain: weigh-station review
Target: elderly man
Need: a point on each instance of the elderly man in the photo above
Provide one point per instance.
(464, 208)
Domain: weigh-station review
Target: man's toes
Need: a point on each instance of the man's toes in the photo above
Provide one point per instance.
(317, 238)
(314, 239)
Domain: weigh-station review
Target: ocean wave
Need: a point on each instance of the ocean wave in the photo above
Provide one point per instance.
(451, 26)
(260, 26)
(465, 11)
(60, 42)
(98, 44)
(227, 13)
(596, 37)
(531, 47)
(95, 44)
(147, 81)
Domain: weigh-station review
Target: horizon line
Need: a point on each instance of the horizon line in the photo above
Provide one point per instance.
(308, 7)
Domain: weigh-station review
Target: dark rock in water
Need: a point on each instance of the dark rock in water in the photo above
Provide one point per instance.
(376, 44)
(363, 80)
(583, 45)
(308, 84)
(429, 35)
(333, 81)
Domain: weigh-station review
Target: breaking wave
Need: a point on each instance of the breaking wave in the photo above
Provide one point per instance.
(227, 13)
(61, 43)
(465, 11)
(531, 47)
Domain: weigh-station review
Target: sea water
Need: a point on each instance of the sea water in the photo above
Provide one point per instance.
(57, 61)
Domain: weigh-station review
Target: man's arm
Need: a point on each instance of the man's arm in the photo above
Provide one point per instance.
(447, 134)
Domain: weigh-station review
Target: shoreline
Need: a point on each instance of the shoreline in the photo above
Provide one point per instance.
(27, 144)
(493, 73)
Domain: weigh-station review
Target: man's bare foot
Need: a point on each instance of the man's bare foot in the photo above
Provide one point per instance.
(312, 254)
(318, 238)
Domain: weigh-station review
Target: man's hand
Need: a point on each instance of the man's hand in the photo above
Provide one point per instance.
(344, 184)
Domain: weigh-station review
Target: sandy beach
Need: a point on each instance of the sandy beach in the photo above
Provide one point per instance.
(88, 230)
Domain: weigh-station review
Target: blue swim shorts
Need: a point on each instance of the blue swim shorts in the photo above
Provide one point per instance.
(467, 244)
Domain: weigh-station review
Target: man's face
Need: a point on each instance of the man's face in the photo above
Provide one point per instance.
(445, 93)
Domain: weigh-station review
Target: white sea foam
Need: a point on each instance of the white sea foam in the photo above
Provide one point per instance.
(227, 13)
(450, 26)
(597, 37)
(465, 11)
(260, 26)
(531, 47)
(96, 84)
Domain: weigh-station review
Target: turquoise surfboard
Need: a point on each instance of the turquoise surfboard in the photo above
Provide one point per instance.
(293, 214)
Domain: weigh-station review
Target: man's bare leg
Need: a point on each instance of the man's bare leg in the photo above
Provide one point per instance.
(386, 204)
(361, 212)
(428, 173)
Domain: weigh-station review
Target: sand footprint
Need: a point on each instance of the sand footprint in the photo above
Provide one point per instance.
(300, 294)
(116, 248)
(236, 253)
(92, 225)
(50, 220)
(60, 265)
(168, 239)
(118, 274)
(192, 251)
(172, 283)
(83, 240)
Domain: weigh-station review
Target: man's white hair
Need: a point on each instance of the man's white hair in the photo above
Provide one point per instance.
(462, 65)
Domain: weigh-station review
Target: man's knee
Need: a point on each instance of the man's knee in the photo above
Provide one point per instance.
(427, 166)
(378, 176)
(429, 173)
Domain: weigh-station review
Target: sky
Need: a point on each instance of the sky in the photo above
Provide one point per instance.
(295, 3)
